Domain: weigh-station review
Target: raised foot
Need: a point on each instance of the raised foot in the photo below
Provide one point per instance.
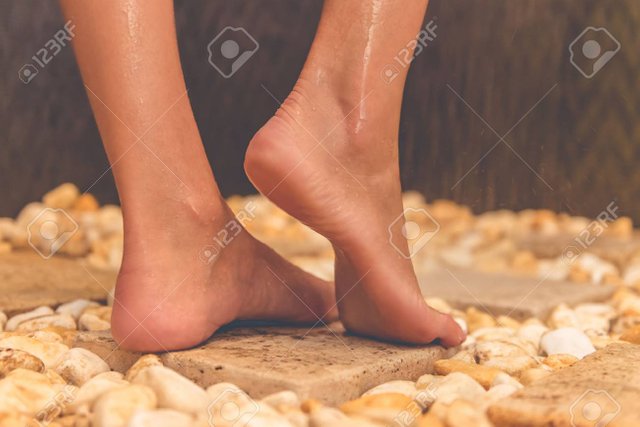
(345, 185)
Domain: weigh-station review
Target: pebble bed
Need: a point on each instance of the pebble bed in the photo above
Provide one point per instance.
(44, 380)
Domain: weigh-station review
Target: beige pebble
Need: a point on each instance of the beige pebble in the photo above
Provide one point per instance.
(456, 385)
(5, 247)
(75, 308)
(142, 363)
(532, 333)
(559, 361)
(159, 418)
(173, 390)
(631, 275)
(282, 401)
(382, 408)
(595, 318)
(498, 392)
(115, 407)
(631, 335)
(91, 322)
(512, 365)
(14, 321)
(85, 203)
(32, 393)
(563, 317)
(406, 388)
(477, 319)
(45, 335)
(425, 381)
(94, 388)
(492, 333)
(529, 376)
(11, 359)
(78, 365)
(507, 322)
(329, 417)
(464, 414)
(466, 355)
(428, 420)
(16, 419)
(469, 343)
(62, 197)
(504, 378)
(3, 320)
(484, 375)
(567, 341)
(48, 352)
(63, 321)
(507, 347)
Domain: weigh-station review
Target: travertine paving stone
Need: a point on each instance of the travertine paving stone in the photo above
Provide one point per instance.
(28, 281)
(616, 249)
(604, 386)
(262, 360)
(519, 297)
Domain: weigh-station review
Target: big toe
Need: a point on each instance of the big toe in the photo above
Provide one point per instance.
(447, 330)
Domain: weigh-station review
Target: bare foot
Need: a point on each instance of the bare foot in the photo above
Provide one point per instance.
(171, 295)
(341, 178)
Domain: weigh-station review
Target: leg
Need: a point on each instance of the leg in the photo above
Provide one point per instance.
(330, 157)
(167, 297)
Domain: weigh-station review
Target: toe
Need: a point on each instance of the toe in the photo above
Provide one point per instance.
(447, 330)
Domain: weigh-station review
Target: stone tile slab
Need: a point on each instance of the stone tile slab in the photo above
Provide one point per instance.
(28, 281)
(615, 249)
(328, 365)
(519, 297)
(602, 389)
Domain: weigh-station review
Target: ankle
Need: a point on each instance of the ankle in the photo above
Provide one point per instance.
(363, 108)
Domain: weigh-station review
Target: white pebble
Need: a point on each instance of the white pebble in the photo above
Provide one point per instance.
(13, 323)
(567, 341)
(455, 385)
(94, 388)
(54, 320)
(159, 418)
(76, 307)
(48, 352)
(173, 390)
(408, 388)
(78, 365)
(91, 322)
(115, 407)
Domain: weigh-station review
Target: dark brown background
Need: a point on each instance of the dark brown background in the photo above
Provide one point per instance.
(501, 56)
